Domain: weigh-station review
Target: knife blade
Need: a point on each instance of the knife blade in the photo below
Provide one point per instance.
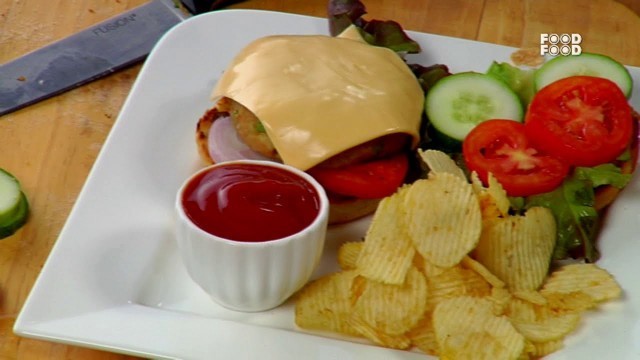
(92, 53)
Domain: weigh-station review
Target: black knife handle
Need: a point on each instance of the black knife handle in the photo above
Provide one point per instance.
(202, 6)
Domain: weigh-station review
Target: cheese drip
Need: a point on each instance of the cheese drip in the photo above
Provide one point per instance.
(318, 96)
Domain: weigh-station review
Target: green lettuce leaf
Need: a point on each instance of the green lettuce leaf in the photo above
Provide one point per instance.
(572, 205)
(605, 174)
(577, 220)
(519, 80)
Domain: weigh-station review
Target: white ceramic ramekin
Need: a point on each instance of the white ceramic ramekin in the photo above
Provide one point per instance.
(251, 276)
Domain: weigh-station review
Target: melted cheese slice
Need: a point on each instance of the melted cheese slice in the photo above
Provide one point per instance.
(318, 96)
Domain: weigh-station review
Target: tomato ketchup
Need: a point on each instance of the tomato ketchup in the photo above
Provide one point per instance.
(250, 203)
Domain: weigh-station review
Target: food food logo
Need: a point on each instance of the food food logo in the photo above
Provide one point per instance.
(560, 44)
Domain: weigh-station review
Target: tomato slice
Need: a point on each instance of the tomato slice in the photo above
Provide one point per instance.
(584, 120)
(501, 147)
(368, 180)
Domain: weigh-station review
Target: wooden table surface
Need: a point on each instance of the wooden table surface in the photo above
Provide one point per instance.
(52, 145)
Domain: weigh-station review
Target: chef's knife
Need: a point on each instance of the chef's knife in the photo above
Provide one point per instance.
(92, 53)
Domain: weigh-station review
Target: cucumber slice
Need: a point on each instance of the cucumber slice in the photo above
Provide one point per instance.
(584, 64)
(14, 207)
(459, 102)
(18, 219)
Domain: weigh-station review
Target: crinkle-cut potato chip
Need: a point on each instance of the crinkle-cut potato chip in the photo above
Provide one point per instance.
(454, 282)
(419, 263)
(518, 249)
(550, 328)
(446, 269)
(539, 350)
(348, 254)
(364, 329)
(447, 227)
(470, 263)
(476, 183)
(500, 298)
(520, 310)
(575, 301)
(499, 195)
(531, 296)
(528, 349)
(425, 267)
(494, 201)
(357, 288)
(325, 304)
(466, 328)
(440, 162)
(392, 309)
(423, 336)
(387, 253)
(540, 323)
(587, 278)
(489, 208)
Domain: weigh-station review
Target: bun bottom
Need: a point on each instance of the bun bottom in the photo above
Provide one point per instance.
(345, 210)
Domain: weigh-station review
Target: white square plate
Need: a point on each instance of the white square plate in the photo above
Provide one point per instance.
(113, 280)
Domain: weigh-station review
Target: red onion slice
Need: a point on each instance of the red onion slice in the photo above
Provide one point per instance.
(226, 145)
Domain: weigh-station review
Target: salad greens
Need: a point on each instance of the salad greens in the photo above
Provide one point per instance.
(429, 75)
(389, 34)
(572, 203)
(604, 174)
(344, 13)
(519, 80)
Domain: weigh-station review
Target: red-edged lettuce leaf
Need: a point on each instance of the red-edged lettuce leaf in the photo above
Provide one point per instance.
(429, 75)
(344, 13)
(387, 33)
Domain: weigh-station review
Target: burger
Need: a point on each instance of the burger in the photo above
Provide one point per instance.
(345, 111)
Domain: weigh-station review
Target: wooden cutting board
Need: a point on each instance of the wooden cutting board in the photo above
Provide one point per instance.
(610, 27)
